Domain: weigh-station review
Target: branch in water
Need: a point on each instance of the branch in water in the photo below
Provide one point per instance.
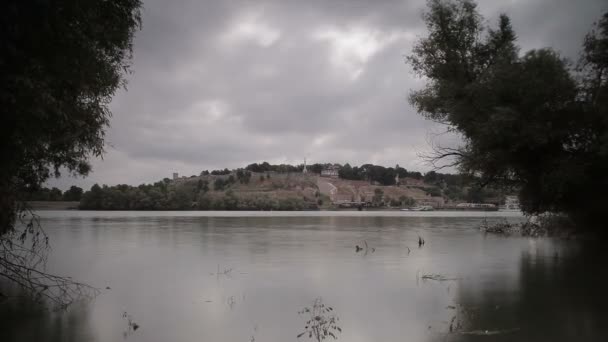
(23, 256)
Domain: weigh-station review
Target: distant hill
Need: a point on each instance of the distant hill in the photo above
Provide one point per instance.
(245, 190)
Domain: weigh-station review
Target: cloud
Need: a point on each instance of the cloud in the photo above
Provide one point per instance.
(226, 83)
(351, 49)
(251, 26)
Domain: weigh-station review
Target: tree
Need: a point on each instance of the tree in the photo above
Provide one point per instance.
(525, 121)
(219, 184)
(430, 177)
(74, 193)
(61, 63)
(378, 196)
(202, 186)
(406, 201)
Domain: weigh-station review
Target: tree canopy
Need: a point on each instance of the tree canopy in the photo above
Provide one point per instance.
(61, 63)
(527, 120)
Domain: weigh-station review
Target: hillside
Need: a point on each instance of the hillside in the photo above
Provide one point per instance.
(245, 190)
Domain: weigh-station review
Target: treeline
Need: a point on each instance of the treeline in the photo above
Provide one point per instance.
(213, 190)
(190, 195)
(73, 194)
(161, 195)
(369, 172)
(376, 173)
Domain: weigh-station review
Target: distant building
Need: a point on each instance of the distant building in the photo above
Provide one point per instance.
(511, 203)
(397, 175)
(304, 170)
(331, 171)
(175, 176)
(476, 205)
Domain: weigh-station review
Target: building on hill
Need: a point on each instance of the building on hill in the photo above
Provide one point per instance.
(511, 203)
(331, 171)
(175, 175)
(397, 183)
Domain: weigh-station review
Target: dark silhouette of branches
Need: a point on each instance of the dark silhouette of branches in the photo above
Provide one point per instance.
(23, 256)
(441, 157)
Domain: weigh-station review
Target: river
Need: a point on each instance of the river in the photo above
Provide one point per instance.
(244, 276)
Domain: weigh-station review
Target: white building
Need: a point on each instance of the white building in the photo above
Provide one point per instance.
(331, 171)
(511, 203)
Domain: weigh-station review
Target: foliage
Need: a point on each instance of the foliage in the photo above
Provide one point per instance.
(185, 195)
(74, 193)
(378, 196)
(525, 120)
(282, 168)
(243, 176)
(202, 186)
(321, 322)
(433, 191)
(158, 196)
(61, 63)
(406, 201)
(375, 173)
(41, 194)
(220, 172)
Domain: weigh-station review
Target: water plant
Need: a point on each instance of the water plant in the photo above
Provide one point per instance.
(321, 322)
(131, 325)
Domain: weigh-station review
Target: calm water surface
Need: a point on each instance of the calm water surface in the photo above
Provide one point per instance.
(162, 268)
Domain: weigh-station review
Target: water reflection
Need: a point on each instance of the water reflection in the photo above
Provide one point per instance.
(560, 296)
(185, 278)
(25, 320)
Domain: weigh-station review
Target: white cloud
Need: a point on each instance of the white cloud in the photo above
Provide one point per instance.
(251, 27)
(351, 49)
(226, 83)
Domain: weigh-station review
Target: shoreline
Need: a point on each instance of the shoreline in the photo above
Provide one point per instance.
(67, 205)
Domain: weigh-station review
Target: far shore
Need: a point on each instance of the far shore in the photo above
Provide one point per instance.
(73, 205)
(53, 205)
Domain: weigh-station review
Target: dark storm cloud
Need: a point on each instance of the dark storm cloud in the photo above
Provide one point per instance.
(225, 83)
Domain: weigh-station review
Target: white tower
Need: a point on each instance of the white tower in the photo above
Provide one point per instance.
(397, 175)
(304, 170)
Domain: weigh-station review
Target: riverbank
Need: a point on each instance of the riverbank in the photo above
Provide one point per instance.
(547, 225)
(53, 205)
(73, 205)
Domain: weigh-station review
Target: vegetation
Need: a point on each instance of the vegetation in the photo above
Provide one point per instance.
(73, 194)
(187, 195)
(528, 120)
(61, 63)
(231, 190)
(372, 173)
(321, 322)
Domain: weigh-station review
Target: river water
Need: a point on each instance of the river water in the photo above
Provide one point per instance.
(462, 285)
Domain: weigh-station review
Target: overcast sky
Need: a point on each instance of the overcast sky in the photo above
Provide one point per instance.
(226, 83)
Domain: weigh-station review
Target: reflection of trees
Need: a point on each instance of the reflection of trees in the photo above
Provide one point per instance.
(22, 319)
(558, 298)
(563, 299)
(23, 256)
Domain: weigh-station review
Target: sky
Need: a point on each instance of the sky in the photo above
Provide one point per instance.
(226, 83)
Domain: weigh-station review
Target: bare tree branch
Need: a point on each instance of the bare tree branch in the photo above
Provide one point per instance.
(442, 157)
(23, 257)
